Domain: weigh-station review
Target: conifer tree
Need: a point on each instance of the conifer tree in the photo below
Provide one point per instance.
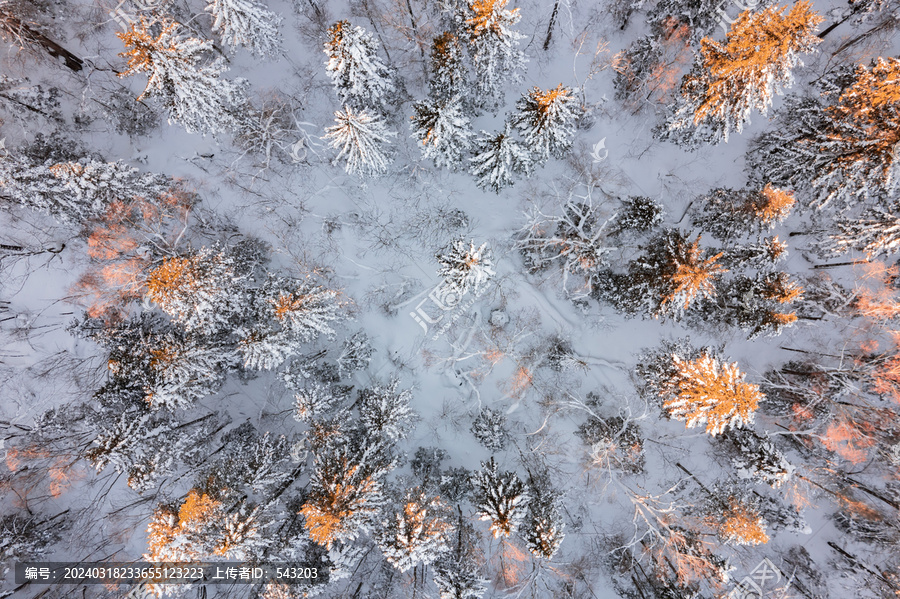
(841, 152)
(360, 78)
(384, 412)
(361, 137)
(757, 458)
(416, 534)
(442, 130)
(457, 573)
(278, 318)
(200, 527)
(543, 526)
(744, 74)
(499, 497)
(702, 17)
(246, 24)
(465, 267)
(672, 275)
(727, 213)
(742, 524)
(493, 46)
(187, 84)
(346, 493)
(448, 72)
(546, 120)
(197, 291)
(498, 159)
(489, 427)
(77, 190)
(707, 391)
(875, 232)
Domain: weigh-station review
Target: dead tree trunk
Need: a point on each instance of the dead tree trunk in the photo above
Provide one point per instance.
(552, 23)
(22, 34)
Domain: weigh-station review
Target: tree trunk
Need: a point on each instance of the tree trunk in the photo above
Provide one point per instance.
(552, 23)
(23, 33)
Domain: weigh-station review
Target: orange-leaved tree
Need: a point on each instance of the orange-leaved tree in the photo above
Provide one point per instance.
(704, 390)
(688, 275)
(755, 62)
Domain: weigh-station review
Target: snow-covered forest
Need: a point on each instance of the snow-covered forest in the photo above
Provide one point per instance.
(453, 298)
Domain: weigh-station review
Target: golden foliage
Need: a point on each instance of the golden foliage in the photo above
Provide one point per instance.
(703, 390)
(691, 275)
(778, 319)
(332, 503)
(173, 275)
(510, 563)
(545, 100)
(776, 204)
(850, 438)
(489, 17)
(782, 289)
(742, 525)
(197, 509)
(141, 47)
(756, 41)
(775, 249)
(117, 272)
(286, 304)
(870, 106)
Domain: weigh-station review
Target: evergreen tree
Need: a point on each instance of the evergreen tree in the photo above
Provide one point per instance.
(384, 412)
(448, 72)
(198, 291)
(246, 24)
(489, 427)
(672, 275)
(75, 191)
(159, 363)
(842, 152)
(360, 78)
(757, 458)
(346, 492)
(465, 268)
(314, 402)
(188, 86)
(744, 74)
(500, 497)
(636, 215)
(614, 443)
(142, 443)
(456, 573)
(727, 213)
(702, 17)
(543, 526)
(741, 523)
(498, 159)
(758, 304)
(875, 232)
(281, 316)
(361, 137)
(493, 45)
(546, 120)
(356, 354)
(199, 527)
(442, 130)
(418, 533)
(707, 391)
